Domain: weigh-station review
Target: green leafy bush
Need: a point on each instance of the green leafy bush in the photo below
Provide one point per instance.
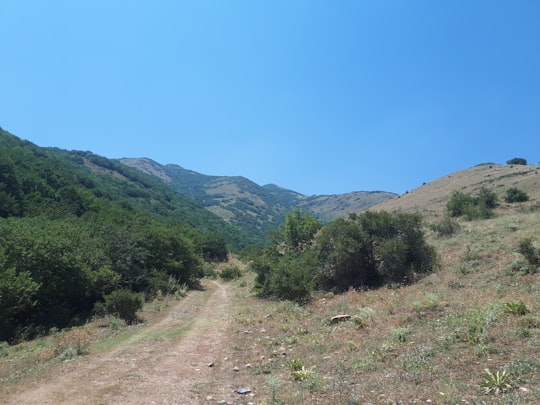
(366, 250)
(231, 273)
(123, 304)
(514, 195)
(531, 254)
(472, 207)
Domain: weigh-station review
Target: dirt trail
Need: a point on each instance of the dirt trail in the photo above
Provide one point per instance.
(150, 368)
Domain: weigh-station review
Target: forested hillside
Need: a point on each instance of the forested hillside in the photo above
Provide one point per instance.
(76, 227)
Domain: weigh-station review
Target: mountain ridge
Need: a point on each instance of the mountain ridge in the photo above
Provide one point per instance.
(258, 208)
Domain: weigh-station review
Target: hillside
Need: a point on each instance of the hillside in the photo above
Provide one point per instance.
(431, 198)
(255, 209)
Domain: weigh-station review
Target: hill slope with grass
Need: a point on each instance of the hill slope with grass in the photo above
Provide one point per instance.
(467, 333)
(431, 198)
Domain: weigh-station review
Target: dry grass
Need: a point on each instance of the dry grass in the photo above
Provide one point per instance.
(428, 342)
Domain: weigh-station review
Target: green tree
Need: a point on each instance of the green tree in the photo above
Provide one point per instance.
(517, 161)
(299, 229)
(458, 203)
(11, 202)
(64, 260)
(17, 300)
(486, 198)
(212, 246)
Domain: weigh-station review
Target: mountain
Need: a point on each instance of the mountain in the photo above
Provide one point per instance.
(255, 209)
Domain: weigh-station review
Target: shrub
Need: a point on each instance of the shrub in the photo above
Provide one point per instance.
(123, 304)
(532, 255)
(458, 202)
(515, 195)
(446, 227)
(231, 273)
(486, 198)
(479, 207)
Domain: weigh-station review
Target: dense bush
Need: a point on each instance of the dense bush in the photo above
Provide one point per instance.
(515, 195)
(230, 273)
(364, 251)
(123, 304)
(472, 207)
(373, 249)
(213, 247)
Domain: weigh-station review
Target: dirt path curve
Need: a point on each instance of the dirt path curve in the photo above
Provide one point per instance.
(165, 363)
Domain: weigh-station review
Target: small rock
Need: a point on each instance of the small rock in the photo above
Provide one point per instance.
(340, 318)
(235, 369)
(243, 391)
(524, 389)
(209, 398)
(211, 364)
(248, 365)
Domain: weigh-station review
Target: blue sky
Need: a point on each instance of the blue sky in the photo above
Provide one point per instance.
(321, 97)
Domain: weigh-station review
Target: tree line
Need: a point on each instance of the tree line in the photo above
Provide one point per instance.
(76, 227)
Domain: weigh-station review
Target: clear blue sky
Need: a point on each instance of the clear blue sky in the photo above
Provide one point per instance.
(321, 97)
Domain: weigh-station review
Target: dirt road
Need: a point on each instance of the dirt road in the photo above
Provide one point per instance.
(179, 360)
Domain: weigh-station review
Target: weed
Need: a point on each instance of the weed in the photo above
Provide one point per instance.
(366, 313)
(499, 382)
(446, 227)
(399, 335)
(3, 349)
(530, 322)
(515, 308)
(524, 370)
(116, 324)
(295, 365)
(274, 384)
(302, 374)
(429, 303)
(417, 362)
(75, 341)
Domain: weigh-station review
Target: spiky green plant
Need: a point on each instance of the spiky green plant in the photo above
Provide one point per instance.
(498, 382)
(302, 374)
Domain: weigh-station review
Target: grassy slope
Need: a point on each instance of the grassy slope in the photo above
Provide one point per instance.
(428, 341)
